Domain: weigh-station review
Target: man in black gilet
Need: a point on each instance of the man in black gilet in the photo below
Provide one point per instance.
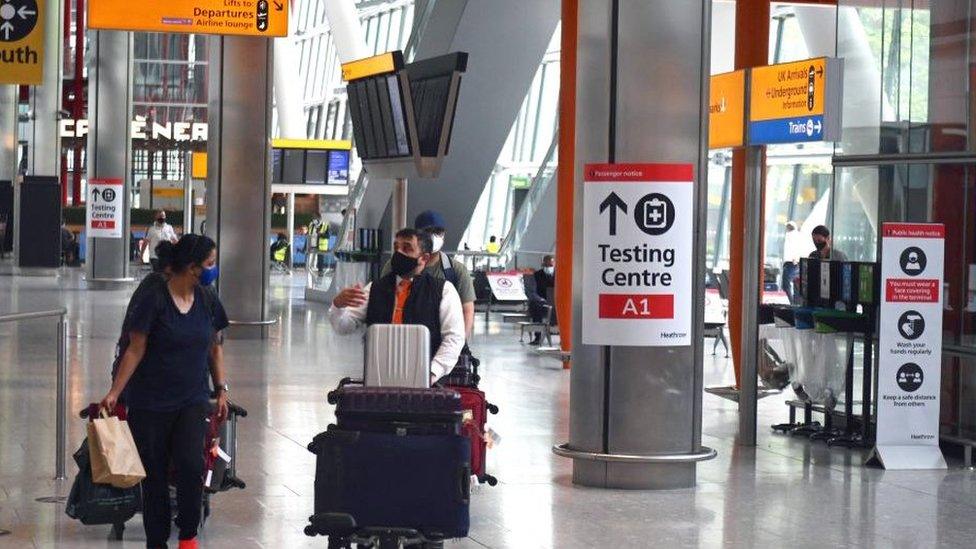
(407, 295)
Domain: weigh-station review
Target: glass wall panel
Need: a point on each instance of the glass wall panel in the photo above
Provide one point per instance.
(907, 75)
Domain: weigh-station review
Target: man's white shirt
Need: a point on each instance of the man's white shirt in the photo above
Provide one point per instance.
(348, 320)
(157, 234)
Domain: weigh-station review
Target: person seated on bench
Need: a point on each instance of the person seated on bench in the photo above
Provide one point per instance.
(545, 281)
(407, 295)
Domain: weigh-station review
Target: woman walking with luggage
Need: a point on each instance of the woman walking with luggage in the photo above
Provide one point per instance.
(173, 344)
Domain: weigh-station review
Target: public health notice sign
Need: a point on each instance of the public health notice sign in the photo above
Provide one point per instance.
(638, 250)
(910, 346)
(103, 212)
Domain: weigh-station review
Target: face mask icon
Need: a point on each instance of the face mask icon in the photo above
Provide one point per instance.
(655, 214)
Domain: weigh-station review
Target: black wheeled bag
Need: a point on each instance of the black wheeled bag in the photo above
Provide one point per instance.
(403, 466)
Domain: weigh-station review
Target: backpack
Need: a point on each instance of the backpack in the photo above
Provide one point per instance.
(447, 265)
(153, 282)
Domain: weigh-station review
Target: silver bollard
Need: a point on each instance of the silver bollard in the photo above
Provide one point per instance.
(61, 422)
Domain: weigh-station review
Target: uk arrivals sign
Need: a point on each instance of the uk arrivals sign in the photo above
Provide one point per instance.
(637, 259)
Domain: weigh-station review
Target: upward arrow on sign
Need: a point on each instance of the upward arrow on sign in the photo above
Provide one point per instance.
(95, 195)
(613, 203)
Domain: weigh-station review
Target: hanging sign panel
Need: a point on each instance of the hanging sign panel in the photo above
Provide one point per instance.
(638, 254)
(21, 41)
(727, 110)
(103, 211)
(222, 17)
(796, 102)
(910, 346)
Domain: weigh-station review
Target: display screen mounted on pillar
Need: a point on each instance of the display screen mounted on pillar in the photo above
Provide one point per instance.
(638, 282)
(222, 17)
(796, 102)
(910, 346)
(104, 217)
(21, 41)
(727, 110)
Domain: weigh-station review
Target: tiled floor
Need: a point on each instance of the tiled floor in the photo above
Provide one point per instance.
(785, 493)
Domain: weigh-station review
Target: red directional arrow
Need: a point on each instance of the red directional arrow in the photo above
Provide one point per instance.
(279, 6)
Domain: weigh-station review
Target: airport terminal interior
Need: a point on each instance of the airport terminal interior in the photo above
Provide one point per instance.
(487, 273)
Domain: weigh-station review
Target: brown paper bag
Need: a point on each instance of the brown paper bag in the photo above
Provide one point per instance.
(114, 456)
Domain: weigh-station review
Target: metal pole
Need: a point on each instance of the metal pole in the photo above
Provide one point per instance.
(399, 206)
(751, 269)
(291, 231)
(62, 401)
(188, 195)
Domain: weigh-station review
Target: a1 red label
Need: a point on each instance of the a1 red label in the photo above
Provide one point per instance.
(646, 306)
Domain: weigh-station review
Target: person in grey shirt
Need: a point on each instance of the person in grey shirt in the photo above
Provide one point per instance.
(825, 246)
(444, 266)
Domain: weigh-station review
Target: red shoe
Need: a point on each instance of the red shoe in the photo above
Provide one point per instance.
(189, 544)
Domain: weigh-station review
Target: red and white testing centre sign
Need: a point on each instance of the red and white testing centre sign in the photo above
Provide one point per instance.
(638, 252)
(103, 212)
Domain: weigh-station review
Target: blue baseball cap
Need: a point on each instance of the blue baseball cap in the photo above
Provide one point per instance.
(429, 218)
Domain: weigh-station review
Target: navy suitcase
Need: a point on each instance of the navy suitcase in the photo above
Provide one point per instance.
(403, 468)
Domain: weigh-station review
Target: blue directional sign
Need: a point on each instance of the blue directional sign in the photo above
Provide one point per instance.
(787, 130)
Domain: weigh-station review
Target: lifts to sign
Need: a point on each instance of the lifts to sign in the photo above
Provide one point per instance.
(21, 41)
(224, 17)
(637, 275)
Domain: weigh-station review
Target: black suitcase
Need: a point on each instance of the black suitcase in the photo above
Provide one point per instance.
(399, 410)
(404, 468)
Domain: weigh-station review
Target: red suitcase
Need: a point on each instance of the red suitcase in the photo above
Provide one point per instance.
(473, 400)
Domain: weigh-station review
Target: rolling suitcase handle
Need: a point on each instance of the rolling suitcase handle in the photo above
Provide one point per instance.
(464, 484)
(333, 396)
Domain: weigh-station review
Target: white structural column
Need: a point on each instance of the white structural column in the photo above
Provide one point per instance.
(239, 177)
(44, 146)
(8, 132)
(347, 33)
(110, 146)
(287, 91)
(43, 143)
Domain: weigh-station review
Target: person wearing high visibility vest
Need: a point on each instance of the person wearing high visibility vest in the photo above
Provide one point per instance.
(279, 250)
(323, 245)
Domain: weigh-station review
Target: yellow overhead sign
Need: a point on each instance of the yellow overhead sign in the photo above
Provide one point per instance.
(788, 90)
(313, 144)
(726, 110)
(21, 41)
(198, 165)
(370, 66)
(231, 17)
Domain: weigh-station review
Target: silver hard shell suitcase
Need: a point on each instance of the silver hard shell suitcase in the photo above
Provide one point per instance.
(397, 355)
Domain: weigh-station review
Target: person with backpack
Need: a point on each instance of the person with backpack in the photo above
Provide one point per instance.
(173, 346)
(445, 267)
